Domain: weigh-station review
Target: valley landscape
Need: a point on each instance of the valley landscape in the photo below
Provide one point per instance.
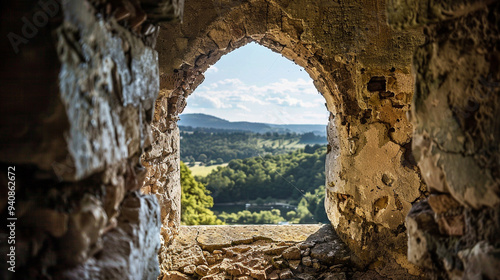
(107, 176)
(255, 173)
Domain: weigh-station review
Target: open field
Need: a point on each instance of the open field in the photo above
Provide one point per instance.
(202, 170)
(286, 144)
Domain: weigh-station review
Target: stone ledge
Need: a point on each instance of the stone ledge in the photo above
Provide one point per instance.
(217, 237)
(257, 252)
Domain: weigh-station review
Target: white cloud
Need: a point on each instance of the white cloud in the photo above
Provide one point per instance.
(228, 92)
(286, 86)
(252, 99)
(243, 107)
(253, 78)
(212, 69)
(234, 82)
(277, 100)
(293, 102)
(238, 98)
(208, 101)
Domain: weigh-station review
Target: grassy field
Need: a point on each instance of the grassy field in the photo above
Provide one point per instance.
(198, 170)
(286, 143)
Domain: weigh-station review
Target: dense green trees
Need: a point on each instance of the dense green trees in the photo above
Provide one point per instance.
(222, 146)
(311, 208)
(247, 217)
(286, 176)
(195, 201)
(297, 176)
(316, 204)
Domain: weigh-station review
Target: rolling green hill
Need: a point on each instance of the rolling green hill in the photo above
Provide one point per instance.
(208, 121)
(255, 167)
(219, 147)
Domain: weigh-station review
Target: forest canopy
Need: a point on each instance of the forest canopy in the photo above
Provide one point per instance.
(265, 178)
(284, 176)
(217, 146)
(195, 201)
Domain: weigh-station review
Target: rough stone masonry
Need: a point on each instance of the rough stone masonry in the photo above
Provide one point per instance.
(91, 99)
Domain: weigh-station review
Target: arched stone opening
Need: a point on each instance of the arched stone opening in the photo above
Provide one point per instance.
(372, 179)
(453, 234)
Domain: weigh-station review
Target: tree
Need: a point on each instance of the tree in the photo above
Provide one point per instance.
(247, 217)
(259, 201)
(309, 149)
(291, 215)
(277, 176)
(303, 214)
(195, 201)
(316, 204)
(202, 158)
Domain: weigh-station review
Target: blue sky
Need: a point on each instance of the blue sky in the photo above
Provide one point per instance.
(255, 84)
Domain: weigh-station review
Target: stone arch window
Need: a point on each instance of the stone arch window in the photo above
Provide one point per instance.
(254, 84)
(77, 118)
(371, 179)
(253, 78)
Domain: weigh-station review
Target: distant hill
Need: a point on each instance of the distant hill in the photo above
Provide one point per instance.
(208, 121)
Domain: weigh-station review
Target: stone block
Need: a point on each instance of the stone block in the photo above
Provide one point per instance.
(292, 253)
(202, 270)
(286, 274)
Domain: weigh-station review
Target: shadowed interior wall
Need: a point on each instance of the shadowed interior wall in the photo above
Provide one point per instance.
(78, 80)
(454, 233)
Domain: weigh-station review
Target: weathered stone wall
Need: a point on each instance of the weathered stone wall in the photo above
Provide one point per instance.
(78, 80)
(359, 65)
(454, 233)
